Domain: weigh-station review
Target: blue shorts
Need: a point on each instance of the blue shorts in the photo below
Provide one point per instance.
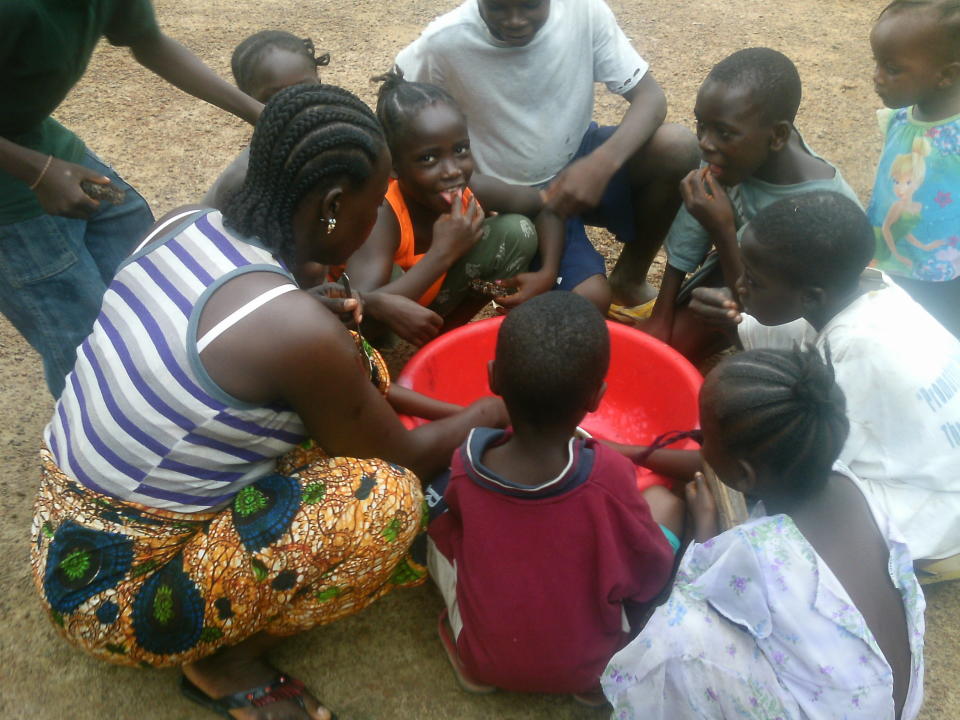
(615, 213)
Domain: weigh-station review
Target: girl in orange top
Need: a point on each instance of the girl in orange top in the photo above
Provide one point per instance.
(431, 237)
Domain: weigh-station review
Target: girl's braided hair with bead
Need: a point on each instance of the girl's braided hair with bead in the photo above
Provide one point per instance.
(399, 100)
(781, 409)
(308, 137)
(248, 54)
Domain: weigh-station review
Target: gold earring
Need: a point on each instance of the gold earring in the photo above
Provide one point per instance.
(331, 224)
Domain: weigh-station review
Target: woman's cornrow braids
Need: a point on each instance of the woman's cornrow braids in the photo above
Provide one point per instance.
(309, 136)
(784, 410)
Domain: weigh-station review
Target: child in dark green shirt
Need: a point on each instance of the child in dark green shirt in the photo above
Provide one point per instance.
(59, 246)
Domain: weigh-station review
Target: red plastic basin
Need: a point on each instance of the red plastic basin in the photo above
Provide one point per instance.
(651, 388)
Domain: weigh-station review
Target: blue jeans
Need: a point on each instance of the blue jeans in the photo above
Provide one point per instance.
(55, 270)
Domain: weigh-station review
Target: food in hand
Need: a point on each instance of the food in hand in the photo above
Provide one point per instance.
(491, 290)
(450, 196)
(110, 192)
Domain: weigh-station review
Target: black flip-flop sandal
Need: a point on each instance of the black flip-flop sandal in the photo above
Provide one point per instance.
(282, 687)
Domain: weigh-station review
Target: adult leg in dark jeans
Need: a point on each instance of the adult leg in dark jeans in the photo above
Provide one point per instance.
(54, 272)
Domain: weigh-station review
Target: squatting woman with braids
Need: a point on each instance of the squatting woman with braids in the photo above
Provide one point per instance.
(810, 611)
(224, 467)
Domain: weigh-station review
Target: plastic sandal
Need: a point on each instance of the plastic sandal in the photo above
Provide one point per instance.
(630, 315)
(443, 629)
(282, 687)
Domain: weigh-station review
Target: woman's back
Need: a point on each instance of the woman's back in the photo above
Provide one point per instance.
(140, 418)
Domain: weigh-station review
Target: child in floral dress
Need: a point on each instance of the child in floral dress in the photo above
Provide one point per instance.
(809, 610)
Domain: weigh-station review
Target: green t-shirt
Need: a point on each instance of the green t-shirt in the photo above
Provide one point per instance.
(45, 46)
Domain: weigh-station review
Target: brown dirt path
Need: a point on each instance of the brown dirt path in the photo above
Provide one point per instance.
(385, 662)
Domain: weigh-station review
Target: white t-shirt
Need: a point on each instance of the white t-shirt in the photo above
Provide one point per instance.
(900, 371)
(527, 107)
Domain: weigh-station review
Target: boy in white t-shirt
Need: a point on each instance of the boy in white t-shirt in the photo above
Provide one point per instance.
(523, 71)
(803, 281)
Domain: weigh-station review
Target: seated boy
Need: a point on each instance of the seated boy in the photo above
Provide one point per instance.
(541, 543)
(752, 156)
(523, 72)
(804, 281)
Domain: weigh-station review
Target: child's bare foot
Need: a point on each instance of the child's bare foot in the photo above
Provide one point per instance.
(234, 670)
(666, 508)
(594, 699)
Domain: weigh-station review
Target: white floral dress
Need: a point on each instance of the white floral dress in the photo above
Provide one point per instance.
(758, 626)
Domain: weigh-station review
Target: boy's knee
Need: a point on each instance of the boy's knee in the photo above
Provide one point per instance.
(596, 289)
(673, 151)
(666, 508)
(511, 226)
(514, 231)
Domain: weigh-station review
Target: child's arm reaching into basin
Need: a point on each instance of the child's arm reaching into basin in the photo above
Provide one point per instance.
(679, 464)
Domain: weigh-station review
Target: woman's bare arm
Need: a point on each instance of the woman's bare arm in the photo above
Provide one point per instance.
(294, 351)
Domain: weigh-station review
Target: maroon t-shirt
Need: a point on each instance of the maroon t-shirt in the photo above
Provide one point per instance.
(541, 576)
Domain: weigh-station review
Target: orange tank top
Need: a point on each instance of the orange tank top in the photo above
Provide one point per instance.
(406, 256)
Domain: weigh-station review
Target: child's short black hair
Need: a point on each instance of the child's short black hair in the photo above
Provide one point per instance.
(771, 76)
(553, 352)
(781, 409)
(819, 238)
(947, 14)
(398, 100)
(308, 137)
(250, 52)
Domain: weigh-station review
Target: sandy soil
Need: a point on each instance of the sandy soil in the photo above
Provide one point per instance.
(386, 662)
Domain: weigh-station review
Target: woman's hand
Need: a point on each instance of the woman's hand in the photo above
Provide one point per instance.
(59, 191)
(707, 201)
(455, 233)
(405, 317)
(334, 297)
(703, 508)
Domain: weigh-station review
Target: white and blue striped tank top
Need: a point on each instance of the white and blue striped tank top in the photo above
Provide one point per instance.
(140, 418)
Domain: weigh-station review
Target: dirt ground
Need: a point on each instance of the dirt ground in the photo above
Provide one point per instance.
(385, 662)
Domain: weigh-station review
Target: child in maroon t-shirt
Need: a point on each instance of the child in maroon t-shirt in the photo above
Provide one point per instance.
(541, 543)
